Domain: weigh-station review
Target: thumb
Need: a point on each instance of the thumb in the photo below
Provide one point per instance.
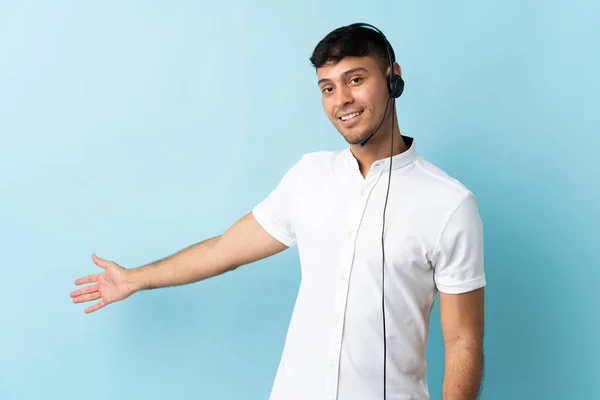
(100, 262)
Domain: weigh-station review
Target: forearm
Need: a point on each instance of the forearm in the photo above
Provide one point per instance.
(463, 371)
(243, 243)
(195, 263)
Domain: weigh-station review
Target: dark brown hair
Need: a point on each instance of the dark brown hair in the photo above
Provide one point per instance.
(351, 41)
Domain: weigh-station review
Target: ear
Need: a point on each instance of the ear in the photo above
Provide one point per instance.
(397, 69)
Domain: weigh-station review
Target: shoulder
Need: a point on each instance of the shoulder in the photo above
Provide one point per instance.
(321, 161)
(323, 156)
(438, 186)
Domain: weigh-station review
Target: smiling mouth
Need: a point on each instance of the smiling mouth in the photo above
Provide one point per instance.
(350, 117)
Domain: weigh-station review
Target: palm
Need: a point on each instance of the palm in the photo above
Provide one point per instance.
(109, 286)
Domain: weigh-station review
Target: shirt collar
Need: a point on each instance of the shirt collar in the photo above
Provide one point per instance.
(397, 161)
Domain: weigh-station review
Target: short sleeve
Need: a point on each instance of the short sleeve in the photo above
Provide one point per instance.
(458, 256)
(274, 213)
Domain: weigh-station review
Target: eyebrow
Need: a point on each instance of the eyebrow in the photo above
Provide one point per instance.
(345, 73)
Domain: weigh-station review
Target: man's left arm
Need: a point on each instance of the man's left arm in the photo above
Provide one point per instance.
(462, 320)
(460, 279)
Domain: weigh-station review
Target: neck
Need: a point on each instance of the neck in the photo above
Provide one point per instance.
(378, 147)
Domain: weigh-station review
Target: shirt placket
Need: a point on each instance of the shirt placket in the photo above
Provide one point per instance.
(356, 209)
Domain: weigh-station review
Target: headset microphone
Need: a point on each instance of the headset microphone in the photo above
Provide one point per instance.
(395, 89)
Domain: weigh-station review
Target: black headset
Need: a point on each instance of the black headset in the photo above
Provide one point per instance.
(395, 81)
(395, 89)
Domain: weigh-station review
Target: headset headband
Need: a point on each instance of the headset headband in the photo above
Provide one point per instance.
(396, 83)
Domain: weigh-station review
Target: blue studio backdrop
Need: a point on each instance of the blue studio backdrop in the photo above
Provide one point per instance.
(134, 129)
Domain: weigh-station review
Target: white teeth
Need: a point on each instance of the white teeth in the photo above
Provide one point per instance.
(347, 117)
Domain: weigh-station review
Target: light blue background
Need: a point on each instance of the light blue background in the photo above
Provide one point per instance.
(134, 129)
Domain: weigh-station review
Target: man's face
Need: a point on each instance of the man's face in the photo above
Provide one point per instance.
(354, 94)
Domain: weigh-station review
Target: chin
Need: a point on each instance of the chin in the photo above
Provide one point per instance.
(354, 138)
(353, 135)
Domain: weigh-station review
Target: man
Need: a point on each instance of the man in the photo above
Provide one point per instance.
(330, 204)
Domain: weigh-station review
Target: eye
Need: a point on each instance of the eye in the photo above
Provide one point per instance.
(326, 90)
(356, 79)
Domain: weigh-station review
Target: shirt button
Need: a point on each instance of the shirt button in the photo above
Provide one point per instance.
(331, 365)
(362, 192)
(342, 277)
(349, 232)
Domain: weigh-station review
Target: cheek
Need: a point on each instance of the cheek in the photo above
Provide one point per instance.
(361, 99)
(374, 103)
(329, 108)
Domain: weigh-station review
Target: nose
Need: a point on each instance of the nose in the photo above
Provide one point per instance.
(343, 97)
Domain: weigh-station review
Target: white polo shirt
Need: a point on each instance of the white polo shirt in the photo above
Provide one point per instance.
(433, 241)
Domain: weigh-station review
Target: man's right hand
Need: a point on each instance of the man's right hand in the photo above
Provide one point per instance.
(109, 286)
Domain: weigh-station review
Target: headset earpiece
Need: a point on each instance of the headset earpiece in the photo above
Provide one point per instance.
(396, 86)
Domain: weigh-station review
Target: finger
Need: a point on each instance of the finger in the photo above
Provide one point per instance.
(86, 297)
(95, 307)
(100, 262)
(87, 279)
(86, 290)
